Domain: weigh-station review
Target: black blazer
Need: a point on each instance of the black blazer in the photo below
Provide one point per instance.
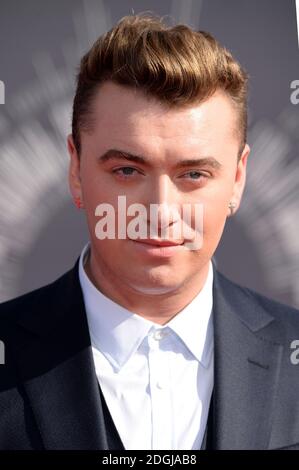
(49, 394)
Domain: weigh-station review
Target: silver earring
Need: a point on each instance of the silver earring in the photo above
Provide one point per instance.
(232, 205)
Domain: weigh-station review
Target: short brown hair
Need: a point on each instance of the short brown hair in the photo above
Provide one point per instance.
(176, 65)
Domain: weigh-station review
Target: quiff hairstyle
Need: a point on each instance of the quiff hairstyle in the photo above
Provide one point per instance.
(176, 65)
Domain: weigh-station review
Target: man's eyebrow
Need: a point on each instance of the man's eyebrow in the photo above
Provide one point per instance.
(203, 161)
(116, 154)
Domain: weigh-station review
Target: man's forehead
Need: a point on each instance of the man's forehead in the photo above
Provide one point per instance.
(135, 104)
(150, 124)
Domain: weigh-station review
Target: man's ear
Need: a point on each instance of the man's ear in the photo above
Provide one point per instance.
(74, 169)
(240, 179)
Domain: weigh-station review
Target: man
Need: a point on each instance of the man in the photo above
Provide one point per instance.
(143, 344)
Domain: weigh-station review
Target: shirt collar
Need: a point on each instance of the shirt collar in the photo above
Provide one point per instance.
(118, 332)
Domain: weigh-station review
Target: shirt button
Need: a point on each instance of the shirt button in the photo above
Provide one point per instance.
(158, 334)
(160, 384)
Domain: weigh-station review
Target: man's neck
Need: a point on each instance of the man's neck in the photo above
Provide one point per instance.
(159, 308)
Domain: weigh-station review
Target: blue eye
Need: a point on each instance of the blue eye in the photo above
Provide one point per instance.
(195, 174)
(127, 170)
(124, 171)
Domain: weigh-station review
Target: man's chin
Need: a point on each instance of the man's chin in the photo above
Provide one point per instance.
(154, 290)
(156, 285)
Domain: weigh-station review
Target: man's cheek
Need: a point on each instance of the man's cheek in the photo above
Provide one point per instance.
(213, 224)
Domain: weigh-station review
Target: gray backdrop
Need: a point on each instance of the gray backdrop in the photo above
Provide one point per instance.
(40, 47)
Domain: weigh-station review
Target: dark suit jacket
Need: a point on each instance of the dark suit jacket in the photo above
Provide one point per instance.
(49, 394)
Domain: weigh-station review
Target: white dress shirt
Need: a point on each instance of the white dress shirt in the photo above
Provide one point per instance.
(157, 380)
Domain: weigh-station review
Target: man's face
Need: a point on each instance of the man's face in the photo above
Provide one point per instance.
(126, 122)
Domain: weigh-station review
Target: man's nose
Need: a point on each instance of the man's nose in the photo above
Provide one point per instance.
(164, 202)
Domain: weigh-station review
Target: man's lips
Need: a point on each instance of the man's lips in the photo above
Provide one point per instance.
(155, 242)
(154, 248)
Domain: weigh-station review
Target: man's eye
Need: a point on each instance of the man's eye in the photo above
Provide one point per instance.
(125, 171)
(195, 175)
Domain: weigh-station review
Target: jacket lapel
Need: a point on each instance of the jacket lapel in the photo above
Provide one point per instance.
(246, 369)
(56, 369)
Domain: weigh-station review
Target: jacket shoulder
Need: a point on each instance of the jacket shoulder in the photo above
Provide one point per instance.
(278, 310)
(36, 300)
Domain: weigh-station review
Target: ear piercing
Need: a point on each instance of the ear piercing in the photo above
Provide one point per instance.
(232, 205)
(78, 202)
